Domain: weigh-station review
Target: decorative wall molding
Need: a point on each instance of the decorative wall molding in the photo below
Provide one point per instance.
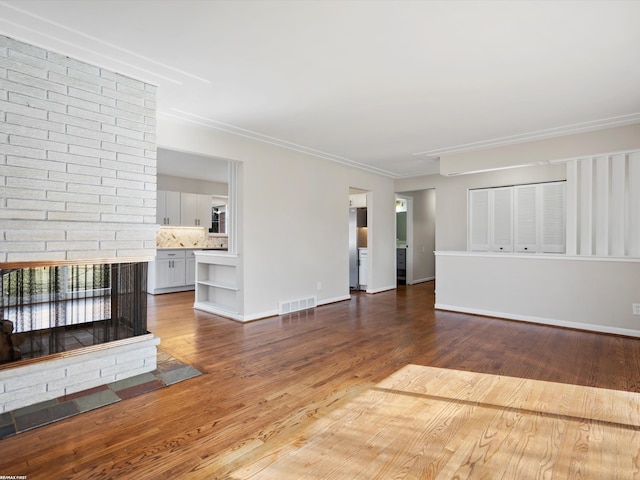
(603, 205)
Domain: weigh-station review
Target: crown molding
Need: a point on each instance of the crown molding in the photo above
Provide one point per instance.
(183, 116)
(85, 47)
(180, 115)
(583, 127)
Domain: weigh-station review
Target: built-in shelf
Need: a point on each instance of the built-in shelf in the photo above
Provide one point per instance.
(216, 308)
(218, 286)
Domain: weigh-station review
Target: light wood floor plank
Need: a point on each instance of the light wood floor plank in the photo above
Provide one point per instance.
(504, 431)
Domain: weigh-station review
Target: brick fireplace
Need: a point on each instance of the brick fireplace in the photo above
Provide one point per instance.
(77, 189)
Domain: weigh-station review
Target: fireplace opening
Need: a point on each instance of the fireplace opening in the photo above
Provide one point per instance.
(50, 309)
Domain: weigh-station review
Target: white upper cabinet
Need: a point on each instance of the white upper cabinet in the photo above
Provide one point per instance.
(168, 208)
(195, 210)
(524, 218)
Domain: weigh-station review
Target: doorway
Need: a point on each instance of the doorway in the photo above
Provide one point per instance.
(404, 240)
(358, 240)
(419, 242)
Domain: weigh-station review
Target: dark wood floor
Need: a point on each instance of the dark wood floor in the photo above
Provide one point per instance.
(265, 381)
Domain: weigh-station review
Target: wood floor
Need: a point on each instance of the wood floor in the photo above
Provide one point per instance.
(267, 383)
(435, 423)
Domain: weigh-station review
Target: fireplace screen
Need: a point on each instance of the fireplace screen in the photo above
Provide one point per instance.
(52, 309)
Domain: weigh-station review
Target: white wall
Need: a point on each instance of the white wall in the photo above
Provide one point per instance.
(578, 292)
(593, 294)
(424, 234)
(293, 218)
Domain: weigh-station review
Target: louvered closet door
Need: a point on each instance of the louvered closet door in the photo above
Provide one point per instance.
(526, 219)
(502, 210)
(553, 218)
(479, 220)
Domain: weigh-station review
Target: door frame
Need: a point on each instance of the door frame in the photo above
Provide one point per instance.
(409, 259)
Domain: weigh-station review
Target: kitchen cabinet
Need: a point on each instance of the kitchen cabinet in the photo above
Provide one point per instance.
(167, 207)
(190, 270)
(173, 270)
(363, 268)
(195, 210)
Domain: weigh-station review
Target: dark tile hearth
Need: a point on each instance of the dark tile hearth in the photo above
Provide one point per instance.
(169, 371)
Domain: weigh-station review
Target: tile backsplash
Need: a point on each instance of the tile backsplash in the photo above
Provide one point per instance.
(188, 237)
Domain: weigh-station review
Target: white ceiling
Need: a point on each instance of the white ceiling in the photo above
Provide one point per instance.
(187, 165)
(385, 85)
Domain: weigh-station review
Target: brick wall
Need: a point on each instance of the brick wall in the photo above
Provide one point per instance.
(77, 159)
(30, 384)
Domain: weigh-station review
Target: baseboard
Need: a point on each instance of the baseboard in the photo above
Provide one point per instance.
(381, 289)
(258, 316)
(333, 300)
(226, 313)
(542, 320)
(422, 280)
(182, 288)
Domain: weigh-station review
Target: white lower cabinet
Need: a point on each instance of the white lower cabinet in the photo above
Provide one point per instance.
(172, 271)
(190, 268)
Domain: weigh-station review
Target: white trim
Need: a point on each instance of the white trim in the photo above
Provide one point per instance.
(422, 280)
(571, 199)
(601, 221)
(232, 207)
(326, 301)
(409, 240)
(618, 208)
(381, 289)
(80, 46)
(224, 127)
(221, 312)
(181, 288)
(605, 154)
(541, 320)
(634, 204)
(585, 204)
(539, 256)
(258, 316)
(600, 124)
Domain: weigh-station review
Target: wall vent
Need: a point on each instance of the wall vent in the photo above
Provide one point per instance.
(291, 306)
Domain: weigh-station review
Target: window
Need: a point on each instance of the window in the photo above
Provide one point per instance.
(522, 218)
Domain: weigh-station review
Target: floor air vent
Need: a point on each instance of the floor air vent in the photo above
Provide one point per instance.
(296, 305)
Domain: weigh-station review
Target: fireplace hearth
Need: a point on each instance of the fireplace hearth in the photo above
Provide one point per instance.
(53, 308)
